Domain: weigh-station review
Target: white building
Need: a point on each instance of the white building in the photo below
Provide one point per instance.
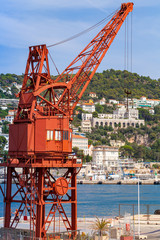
(101, 101)
(88, 107)
(122, 123)
(86, 116)
(126, 163)
(86, 126)
(105, 115)
(80, 142)
(143, 101)
(90, 150)
(12, 112)
(122, 113)
(121, 117)
(113, 101)
(9, 118)
(99, 175)
(4, 101)
(86, 170)
(106, 157)
(117, 143)
(92, 95)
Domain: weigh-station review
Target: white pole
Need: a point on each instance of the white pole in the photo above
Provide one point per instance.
(138, 209)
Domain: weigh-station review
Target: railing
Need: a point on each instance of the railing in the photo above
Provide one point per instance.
(147, 212)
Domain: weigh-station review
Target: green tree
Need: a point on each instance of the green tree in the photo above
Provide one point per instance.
(126, 150)
(3, 142)
(79, 153)
(88, 158)
(99, 108)
(144, 114)
(95, 114)
(5, 128)
(100, 226)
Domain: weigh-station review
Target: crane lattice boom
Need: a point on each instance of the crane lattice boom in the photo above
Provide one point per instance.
(65, 91)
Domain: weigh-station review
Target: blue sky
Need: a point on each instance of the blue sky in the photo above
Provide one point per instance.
(29, 22)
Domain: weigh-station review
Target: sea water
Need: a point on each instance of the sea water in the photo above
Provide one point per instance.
(103, 200)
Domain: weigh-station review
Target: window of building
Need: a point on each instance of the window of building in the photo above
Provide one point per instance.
(49, 135)
(58, 135)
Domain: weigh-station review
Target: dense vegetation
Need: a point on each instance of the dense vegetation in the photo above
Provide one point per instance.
(110, 84)
(6, 80)
(3, 141)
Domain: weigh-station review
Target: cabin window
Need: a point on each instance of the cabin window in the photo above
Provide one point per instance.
(58, 135)
(65, 135)
(49, 135)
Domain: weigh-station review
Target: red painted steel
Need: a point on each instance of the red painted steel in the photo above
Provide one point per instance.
(41, 136)
(61, 186)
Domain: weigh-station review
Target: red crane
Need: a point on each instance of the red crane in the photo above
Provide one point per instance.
(41, 136)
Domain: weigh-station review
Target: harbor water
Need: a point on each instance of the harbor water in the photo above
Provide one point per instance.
(103, 200)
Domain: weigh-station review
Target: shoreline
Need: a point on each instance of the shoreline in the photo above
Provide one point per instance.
(119, 182)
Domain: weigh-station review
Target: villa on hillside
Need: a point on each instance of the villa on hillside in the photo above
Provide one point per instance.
(121, 117)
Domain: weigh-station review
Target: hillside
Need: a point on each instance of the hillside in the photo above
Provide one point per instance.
(109, 84)
(7, 89)
(143, 142)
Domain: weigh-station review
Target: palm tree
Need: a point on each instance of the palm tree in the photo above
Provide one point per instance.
(100, 226)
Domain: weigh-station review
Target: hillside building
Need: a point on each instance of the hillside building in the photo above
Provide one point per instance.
(93, 95)
(5, 102)
(113, 101)
(81, 142)
(106, 157)
(101, 101)
(9, 118)
(90, 150)
(88, 107)
(126, 163)
(144, 102)
(121, 117)
(86, 116)
(117, 143)
(86, 126)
